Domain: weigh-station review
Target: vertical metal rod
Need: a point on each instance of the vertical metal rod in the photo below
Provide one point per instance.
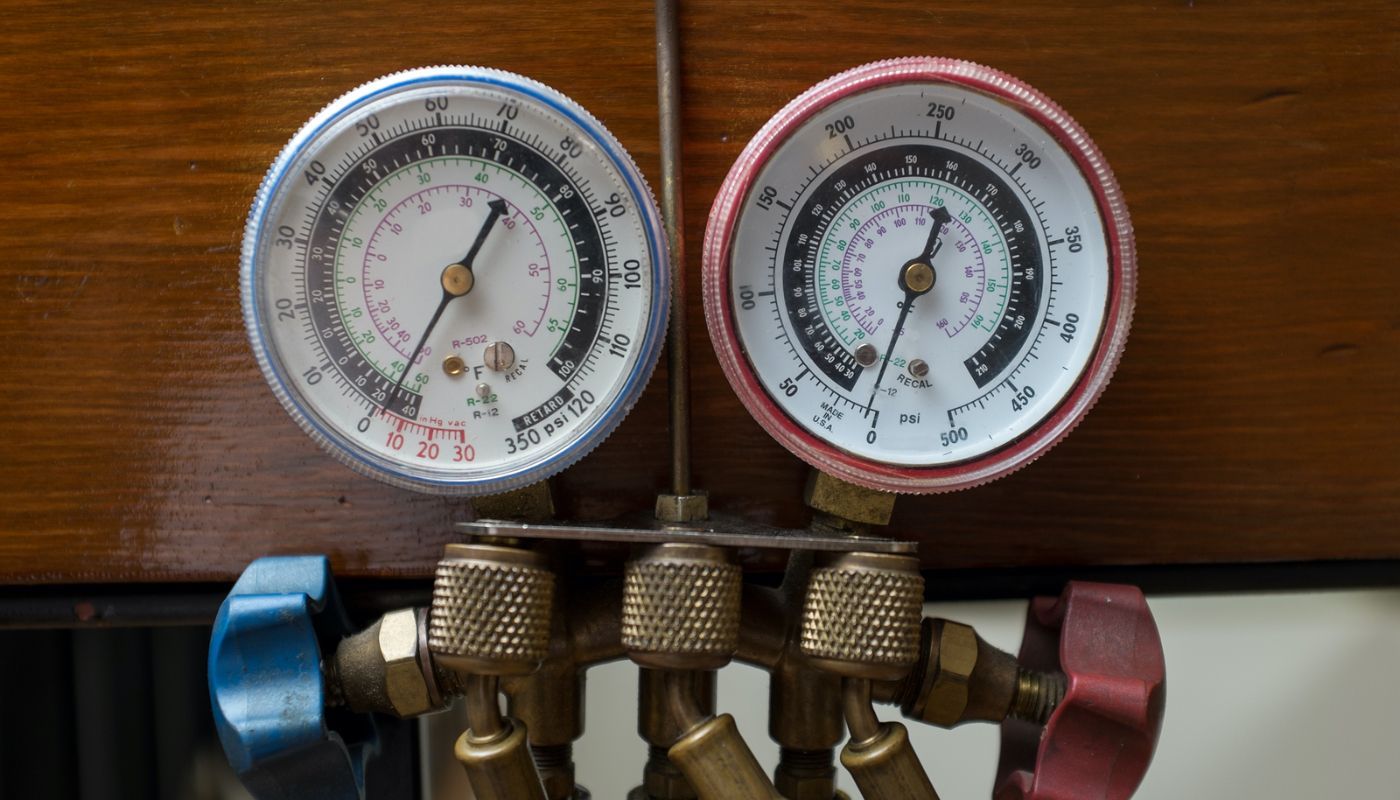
(668, 91)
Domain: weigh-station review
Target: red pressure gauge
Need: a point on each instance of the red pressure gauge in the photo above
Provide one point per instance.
(919, 275)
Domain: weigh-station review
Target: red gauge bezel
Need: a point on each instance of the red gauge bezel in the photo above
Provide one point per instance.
(719, 313)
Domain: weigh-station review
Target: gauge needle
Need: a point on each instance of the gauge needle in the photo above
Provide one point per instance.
(916, 279)
(457, 280)
(498, 208)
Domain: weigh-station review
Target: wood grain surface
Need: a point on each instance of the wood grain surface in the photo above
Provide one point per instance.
(1254, 416)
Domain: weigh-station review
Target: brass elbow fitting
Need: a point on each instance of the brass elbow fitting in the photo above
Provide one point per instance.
(490, 618)
(719, 764)
(861, 621)
(882, 760)
(680, 614)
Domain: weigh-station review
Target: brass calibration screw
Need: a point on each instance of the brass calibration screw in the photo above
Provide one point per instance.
(680, 607)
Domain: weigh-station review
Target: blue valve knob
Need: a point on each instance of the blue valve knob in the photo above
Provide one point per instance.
(267, 689)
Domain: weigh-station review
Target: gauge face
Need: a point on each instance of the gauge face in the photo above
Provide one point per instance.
(919, 275)
(454, 280)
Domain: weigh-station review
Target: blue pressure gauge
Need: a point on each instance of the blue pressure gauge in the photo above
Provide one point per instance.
(455, 280)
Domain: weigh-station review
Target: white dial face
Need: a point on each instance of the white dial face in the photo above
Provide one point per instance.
(851, 215)
(453, 283)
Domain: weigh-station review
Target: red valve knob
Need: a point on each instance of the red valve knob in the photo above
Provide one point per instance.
(1099, 740)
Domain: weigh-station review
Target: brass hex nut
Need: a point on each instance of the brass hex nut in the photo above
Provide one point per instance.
(957, 658)
(384, 668)
(404, 680)
(663, 780)
(794, 788)
(683, 508)
(806, 790)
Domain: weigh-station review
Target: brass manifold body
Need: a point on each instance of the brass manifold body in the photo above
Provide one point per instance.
(534, 644)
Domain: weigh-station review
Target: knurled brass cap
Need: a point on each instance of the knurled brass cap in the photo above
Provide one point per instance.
(680, 607)
(491, 610)
(862, 614)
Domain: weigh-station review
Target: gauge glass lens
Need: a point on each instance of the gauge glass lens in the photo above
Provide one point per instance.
(964, 185)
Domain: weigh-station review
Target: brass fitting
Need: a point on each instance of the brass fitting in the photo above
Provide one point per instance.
(386, 668)
(807, 775)
(1038, 694)
(662, 780)
(861, 621)
(529, 503)
(885, 766)
(719, 764)
(549, 702)
(836, 501)
(491, 617)
(681, 509)
(499, 765)
(804, 718)
(680, 619)
(680, 607)
(680, 615)
(804, 705)
(491, 610)
(960, 678)
(714, 758)
(947, 687)
(861, 617)
(555, 764)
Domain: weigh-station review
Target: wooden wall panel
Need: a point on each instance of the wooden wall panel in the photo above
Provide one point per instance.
(1254, 417)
